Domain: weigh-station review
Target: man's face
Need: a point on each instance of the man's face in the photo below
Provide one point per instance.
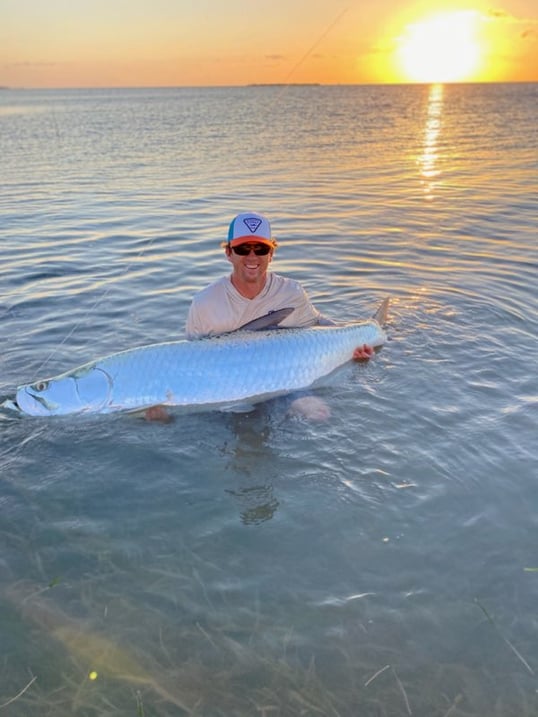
(250, 260)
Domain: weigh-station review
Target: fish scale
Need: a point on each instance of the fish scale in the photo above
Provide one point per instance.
(245, 366)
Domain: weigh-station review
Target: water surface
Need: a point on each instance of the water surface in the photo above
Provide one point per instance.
(379, 563)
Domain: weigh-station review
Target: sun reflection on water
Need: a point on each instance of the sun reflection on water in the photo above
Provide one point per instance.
(428, 160)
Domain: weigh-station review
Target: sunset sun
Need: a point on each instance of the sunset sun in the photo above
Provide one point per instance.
(441, 48)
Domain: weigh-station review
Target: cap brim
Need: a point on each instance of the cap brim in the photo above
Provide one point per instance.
(252, 240)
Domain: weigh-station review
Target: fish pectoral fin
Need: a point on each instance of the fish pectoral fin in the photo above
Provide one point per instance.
(267, 321)
(237, 408)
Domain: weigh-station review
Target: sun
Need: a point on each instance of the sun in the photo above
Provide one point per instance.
(440, 48)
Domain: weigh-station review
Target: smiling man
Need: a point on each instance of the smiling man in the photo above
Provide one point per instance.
(251, 291)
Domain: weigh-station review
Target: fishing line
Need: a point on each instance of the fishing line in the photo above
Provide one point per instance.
(96, 304)
(307, 54)
(76, 326)
(315, 44)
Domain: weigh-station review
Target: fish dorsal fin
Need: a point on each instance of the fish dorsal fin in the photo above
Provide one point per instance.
(268, 321)
(381, 314)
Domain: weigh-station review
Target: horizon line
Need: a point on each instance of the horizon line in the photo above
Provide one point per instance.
(270, 85)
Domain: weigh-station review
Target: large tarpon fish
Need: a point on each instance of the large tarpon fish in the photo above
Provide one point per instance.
(240, 367)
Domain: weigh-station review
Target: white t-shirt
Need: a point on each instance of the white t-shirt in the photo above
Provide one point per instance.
(220, 307)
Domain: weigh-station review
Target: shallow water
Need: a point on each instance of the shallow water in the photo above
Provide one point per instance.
(378, 563)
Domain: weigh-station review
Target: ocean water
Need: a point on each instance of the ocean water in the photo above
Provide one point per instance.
(381, 563)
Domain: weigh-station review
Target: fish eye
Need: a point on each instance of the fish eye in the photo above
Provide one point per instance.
(41, 386)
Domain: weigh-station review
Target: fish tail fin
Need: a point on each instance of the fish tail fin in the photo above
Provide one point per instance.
(381, 314)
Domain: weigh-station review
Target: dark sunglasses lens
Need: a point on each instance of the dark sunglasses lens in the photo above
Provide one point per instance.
(245, 249)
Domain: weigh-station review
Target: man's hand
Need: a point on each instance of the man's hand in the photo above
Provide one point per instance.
(363, 353)
(157, 413)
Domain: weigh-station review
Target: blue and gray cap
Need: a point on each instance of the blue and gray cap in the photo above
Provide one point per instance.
(250, 227)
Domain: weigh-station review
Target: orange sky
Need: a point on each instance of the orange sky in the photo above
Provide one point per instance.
(122, 43)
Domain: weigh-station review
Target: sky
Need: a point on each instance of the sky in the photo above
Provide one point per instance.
(156, 43)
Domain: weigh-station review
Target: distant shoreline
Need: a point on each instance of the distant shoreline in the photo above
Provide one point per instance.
(284, 84)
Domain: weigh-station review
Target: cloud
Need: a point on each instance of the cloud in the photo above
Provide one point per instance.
(498, 13)
(529, 32)
(504, 16)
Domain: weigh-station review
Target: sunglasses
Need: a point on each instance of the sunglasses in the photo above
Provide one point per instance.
(245, 249)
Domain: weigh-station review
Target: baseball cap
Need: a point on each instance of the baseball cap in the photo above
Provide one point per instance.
(250, 226)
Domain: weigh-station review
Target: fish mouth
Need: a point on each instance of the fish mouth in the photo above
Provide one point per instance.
(11, 405)
(28, 402)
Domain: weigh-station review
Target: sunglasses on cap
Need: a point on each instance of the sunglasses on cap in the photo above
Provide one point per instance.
(245, 249)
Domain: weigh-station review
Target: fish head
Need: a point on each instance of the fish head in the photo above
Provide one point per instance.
(83, 391)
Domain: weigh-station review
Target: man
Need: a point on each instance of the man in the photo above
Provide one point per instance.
(251, 291)
(248, 293)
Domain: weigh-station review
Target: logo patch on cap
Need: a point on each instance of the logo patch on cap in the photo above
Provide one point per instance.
(252, 223)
